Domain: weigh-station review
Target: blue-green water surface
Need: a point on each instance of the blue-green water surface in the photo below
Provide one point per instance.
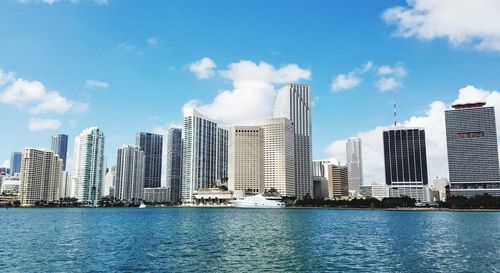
(247, 240)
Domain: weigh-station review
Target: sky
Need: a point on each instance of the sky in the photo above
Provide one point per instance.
(130, 66)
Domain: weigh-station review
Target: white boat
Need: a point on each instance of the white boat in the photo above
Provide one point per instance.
(142, 206)
(257, 201)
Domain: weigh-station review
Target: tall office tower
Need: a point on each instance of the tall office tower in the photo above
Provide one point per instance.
(246, 159)
(221, 154)
(406, 163)
(320, 178)
(199, 153)
(60, 147)
(354, 164)
(152, 145)
(279, 155)
(294, 103)
(130, 163)
(337, 181)
(174, 163)
(15, 163)
(40, 176)
(109, 182)
(65, 188)
(88, 169)
(471, 138)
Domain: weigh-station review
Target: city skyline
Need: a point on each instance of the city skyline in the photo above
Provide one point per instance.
(345, 70)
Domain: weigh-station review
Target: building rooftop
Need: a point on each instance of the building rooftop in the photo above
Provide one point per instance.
(468, 105)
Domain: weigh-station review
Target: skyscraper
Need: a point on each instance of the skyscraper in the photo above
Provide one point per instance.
(406, 163)
(152, 145)
(279, 155)
(174, 163)
(60, 147)
(15, 163)
(246, 159)
(471, 138)
(40, 176)
(221, 151)
(89, 169)
(354, 164)
(199, 153)
(294, 103)
(65, 188)
(130, 163)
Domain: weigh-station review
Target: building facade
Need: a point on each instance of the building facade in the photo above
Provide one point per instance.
(15, 163)
(174, 163)
(130, 166)
(471, 139)
(337, 181)
(279, 155)
(246, 159)
(89, 170)
(152, 146)
(60, 147)
(66, 187)
(406, 163)
(354, 164)
(156, 195)
(40, 176)
(222, 155)
(294, 103)
(199, 153)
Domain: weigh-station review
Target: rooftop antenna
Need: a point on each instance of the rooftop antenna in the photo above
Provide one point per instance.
(395, 115)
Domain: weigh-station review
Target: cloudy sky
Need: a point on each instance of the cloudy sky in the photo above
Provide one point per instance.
(123, 66)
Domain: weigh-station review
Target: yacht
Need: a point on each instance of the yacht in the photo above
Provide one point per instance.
(257, 201)
(142, 206)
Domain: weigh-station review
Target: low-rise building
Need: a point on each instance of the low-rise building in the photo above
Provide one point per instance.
(156, 195)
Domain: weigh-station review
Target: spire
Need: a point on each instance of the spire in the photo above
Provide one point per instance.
(395, 115)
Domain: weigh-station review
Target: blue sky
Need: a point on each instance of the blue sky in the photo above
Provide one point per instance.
(127, 66)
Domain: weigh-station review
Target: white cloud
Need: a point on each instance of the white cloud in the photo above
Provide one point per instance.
(387, 84)
(398, 71)
(152, 41)
(96, 84)
(474, 22)
(204, 68)
(37, 124)
(253, 94)
(22, 93)
(432, 121)
(351, 79)
(345, 81)
(5, 164)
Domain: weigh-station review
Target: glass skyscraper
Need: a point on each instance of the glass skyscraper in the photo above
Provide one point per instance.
(152, 145)
(60, 147)
(471, 139)
(15, 162)
(294, 103)
(89, 170)
(174, 163)
(406, 163)
(354, 164)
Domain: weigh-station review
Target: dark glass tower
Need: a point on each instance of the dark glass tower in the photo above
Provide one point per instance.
(15, 162)
(406, 162)
(60, 147)
(405, 156)
(174, 163)
(151, 144)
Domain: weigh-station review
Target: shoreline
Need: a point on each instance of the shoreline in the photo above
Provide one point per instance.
(323, 208)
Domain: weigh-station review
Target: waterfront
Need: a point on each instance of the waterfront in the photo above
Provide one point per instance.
(246, 240)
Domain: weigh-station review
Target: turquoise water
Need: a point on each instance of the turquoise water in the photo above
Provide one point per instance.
(246, 240)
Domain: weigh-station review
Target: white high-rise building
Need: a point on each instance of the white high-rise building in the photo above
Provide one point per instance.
(246, 159)
(66, 187)
(130, 166)
(88, 173)
(40, 176)
(109, 182)
(294, 103)
(354, 164)
(279, 156)
(199, 153)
